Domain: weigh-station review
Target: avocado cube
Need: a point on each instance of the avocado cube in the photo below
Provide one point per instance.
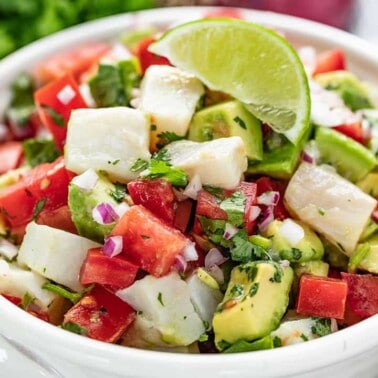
(370, 262)
(228, 119)
(369, 184)
(350, 158)
(255, 301)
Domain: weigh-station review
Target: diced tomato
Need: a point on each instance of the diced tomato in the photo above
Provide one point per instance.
(332, 60)
(321, 296)
(267, 184)
(183, 214)
(353, 130)
(350, 317)
(10, 155)
(101, 315)
(209, 207)
(148, 242)
(155, 195)
(40, 315)
(60, 218)
(362, 293)
(146, 58)
(74, 61)
(15, 300)
(45, 187)
(115, 271)
(224, 13)
(249, 189)
(54, 109)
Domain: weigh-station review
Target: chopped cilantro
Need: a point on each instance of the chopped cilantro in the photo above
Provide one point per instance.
(254, 288)
(240, 122)
(321, 327)
(139, 165)
(205, 324)
(55, 116)
(277, 276)
(234, 207)
(114, 162)
(296, 253)
(217, 192)
(153, 128)
(214, 230)
(38, 207)
(167, 137)
(119, 192)
(303, 337)
(38, 151)
(237, 291)
(277, 342)
(321, 211)
(160, 298)
(57, 289)
(74, 328)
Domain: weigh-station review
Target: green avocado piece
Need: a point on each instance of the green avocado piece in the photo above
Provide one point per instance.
(279, 159)
(350, 158)
(335, 256)
(347, 85)
(247, 346)
(81, 204)
(228, 119)
(370, 260)
(369, 184)
(256, 298)
(308, 248)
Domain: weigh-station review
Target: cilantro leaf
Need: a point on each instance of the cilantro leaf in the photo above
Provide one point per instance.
(38, 151)
(234, 207)
(55, 116)
(321, 327)
(167, 137)
(39, 207)
(119, 192)
(214, 230)
(74, 328)
(139, 165)
(63, 292)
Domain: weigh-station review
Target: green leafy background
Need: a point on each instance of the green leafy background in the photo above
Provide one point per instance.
(23, 21)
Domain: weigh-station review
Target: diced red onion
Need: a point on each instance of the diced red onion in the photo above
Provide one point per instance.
(87, 180)
(214, 257)
(269, 198)
(254, 212)
(121, 209)
(194, 186)
(180, 263)
(66, 95)
(229, 231)
(190, 253)
(310, 153)
(267, 218)
(291, 231)
(216, 273)
(307, 158)
(113, 246)
(104, 213)
(8, 249)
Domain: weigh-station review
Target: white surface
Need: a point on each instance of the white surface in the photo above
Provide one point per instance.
(345, 354)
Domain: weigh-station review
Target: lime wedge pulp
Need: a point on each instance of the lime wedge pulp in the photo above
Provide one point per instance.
(251, 63)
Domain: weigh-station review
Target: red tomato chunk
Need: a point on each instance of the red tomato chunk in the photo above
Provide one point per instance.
(322, 297)
(101, 315)
(362, 293)
(332, 60)
(148, 242)
(116, 271)
(44, 187)
(11, 154)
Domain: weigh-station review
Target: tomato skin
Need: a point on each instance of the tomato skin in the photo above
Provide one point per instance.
(362, 293)
(75, 61)
(321, 296)
(48, 96)
(115, 271)
(155, 195)
(58, 218)
(102, 314)
(48, 182)
(352, 130)
(15, 300)
(11, 154)
(146, 58)
(207, 206)
(332, 60)
(183, 214)
(148, 242)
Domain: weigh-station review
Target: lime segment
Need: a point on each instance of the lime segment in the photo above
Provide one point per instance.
(251, 63)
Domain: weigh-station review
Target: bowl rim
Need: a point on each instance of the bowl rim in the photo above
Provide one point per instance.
(335, 348)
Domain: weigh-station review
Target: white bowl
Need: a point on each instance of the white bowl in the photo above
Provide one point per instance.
(34, 348)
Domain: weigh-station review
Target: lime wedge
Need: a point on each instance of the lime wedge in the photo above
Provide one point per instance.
(251, 63)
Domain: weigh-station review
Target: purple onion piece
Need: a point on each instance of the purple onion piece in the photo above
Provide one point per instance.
(269, 198)
(104, 213)
(190, 253)
(113, 246)
(214, 257)
(180, 264)
(267, 218)
(254, 212)
(229, 231)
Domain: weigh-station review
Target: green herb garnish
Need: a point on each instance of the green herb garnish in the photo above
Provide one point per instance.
(74, 328)
(39, 207)
(55, 116)
(119, 192)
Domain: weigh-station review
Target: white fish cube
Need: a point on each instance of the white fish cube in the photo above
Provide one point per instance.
(55, 254)
(108, 139)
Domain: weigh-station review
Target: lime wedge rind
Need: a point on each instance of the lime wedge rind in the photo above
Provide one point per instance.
(251, 63)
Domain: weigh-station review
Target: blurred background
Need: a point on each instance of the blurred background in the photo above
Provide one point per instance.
(23, 21)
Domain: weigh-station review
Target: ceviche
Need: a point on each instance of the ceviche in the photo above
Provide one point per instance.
(202, 189)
